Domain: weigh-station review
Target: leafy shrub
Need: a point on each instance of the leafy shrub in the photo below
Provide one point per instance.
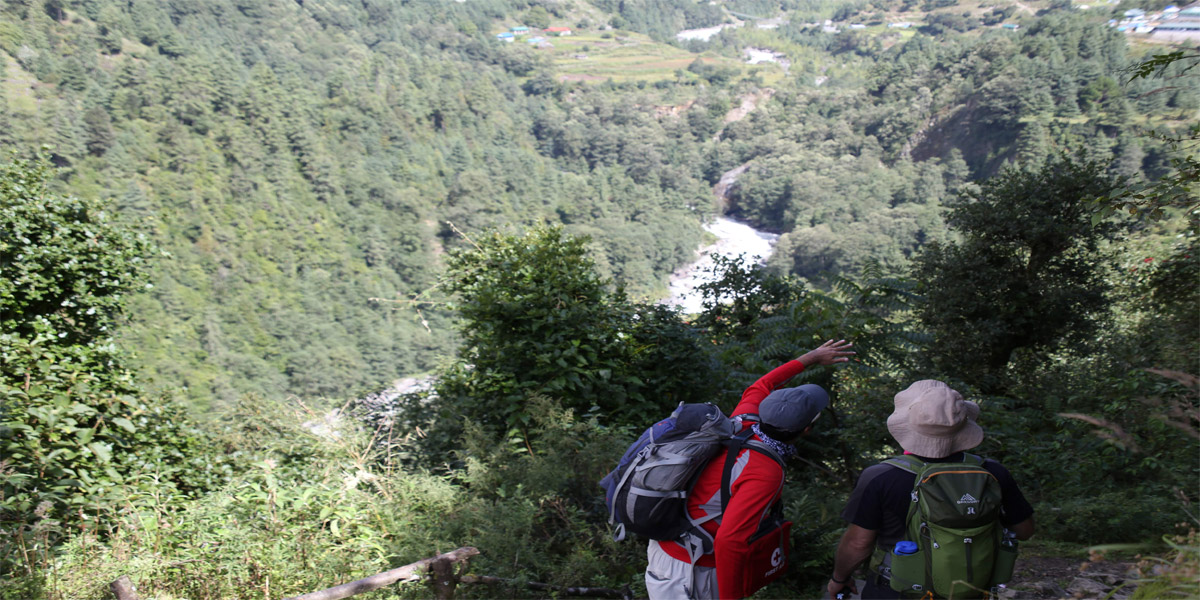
(813, 505)
(304, 511)
(1109, 517)
(66, 266)
(75, 428)
(537, 319)
(312, 504)
(534, 508)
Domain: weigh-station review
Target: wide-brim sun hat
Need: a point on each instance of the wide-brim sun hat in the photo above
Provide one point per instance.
(932, 420)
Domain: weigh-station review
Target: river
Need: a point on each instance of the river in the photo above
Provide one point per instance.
(733, 238)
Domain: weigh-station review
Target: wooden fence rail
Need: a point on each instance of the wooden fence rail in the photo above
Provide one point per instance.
(441, 566)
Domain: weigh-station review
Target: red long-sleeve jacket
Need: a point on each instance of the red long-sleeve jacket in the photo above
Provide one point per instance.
(756, 483)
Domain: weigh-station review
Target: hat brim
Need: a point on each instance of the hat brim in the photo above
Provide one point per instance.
(969, 436)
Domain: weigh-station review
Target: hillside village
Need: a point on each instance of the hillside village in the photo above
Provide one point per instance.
(532, 36)
(1170, 24)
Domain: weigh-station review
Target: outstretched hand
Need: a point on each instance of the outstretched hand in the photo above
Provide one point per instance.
(828, 353)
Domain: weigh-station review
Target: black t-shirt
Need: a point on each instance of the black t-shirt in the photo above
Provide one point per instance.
(883, 495)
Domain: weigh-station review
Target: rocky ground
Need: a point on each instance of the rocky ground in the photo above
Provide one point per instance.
(1040, 577)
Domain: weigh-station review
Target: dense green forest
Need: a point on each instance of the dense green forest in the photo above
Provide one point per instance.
(225, 223)
(297, 160)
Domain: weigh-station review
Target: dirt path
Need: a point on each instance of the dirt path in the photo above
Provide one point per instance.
(1025, 7)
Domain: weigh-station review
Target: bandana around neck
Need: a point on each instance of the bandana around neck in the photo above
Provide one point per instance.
(780, 448)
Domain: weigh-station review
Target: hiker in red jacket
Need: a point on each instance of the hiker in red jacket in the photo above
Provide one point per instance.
(691, 567)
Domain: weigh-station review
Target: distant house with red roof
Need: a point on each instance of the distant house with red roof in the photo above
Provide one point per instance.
(558, 30)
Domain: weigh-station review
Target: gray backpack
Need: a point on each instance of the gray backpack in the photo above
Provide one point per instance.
(647, 492)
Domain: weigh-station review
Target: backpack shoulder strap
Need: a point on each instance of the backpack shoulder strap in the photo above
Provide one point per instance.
(906, 462)
(736, 443)
(734, 447)
(973, 459)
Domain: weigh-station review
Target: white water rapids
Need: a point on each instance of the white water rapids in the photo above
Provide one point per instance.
(733, 239)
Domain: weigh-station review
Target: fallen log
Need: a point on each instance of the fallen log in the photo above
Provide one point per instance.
(413, 572)
(594, 592)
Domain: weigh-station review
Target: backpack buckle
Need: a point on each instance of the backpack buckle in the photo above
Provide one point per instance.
(619, 532)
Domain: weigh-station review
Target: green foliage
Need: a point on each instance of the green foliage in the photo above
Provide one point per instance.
(1027, 273)
(1080, 425)
(295, 177)
(1174, 575)
(303, 512)
(538, 499)
(714, 74)
(1162, 303)
(661, 19)
(74, 425)
(814, 507)
(739, 296)
(309, 510)
(65, 266)
(1176, 190)
(537, 319)
(537, 17)
(1110, 517)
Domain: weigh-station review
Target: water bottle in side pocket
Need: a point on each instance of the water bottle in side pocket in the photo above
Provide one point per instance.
(908, 567)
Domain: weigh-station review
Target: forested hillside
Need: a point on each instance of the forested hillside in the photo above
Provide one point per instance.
(224, 223)
(297, 160)
(855, 162)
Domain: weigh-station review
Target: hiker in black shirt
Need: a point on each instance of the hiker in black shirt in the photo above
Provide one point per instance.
(933, 423)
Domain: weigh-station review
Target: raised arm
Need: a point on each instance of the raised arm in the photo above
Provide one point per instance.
(829, 353)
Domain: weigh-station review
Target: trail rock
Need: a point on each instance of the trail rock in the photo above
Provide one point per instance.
(1008, 593)
(1084, 587)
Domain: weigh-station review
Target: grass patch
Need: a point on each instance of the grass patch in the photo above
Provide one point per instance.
(18, 88)
(634, 57)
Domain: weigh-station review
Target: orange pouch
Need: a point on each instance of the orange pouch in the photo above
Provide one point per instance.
(768, 557)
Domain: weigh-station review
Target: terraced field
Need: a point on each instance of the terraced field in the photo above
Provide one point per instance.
(633, 57)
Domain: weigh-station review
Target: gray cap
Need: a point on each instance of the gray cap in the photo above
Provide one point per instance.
(793, 409)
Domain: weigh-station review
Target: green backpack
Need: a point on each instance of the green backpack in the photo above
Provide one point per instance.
(955, 521)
